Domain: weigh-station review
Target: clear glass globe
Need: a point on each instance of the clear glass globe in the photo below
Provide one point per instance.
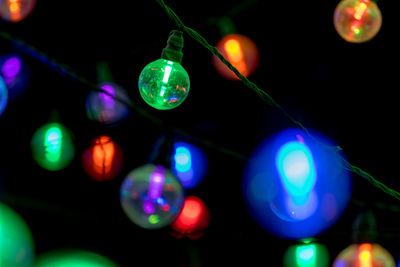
(151, 196)
(164, 84)
(357, 21)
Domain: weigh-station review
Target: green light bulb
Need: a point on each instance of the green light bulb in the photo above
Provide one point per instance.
(164, 84)
(16, 241)
(52, 147)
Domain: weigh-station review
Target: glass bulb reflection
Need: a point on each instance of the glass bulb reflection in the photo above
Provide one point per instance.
(151, 196)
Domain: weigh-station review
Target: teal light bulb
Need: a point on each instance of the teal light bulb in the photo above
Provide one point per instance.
(164, 84)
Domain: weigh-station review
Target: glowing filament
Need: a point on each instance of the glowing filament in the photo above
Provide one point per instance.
(52, 144)
(167, 72)
(359, 13)
(296, 168)
(364, 255)
(15, 9)
(306, 256)
(103, 155)
(156, 185)
(183, 159)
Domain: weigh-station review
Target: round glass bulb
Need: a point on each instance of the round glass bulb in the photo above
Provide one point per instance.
(3, 95)
(164, 84)
(194, 217)
(16, 10)
(52, 147)
(294, 186)
(241, 52)
(365, 254)
(103, 159)
(16, 242)
(357, 21)
(104, 108)
(151, 196)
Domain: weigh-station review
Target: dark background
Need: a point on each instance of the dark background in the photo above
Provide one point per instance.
(345, 91)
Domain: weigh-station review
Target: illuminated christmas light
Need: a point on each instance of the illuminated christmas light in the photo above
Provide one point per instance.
(189, 164)
(103, 159)
(164, 83)
(151, 196)
(16, 241)
(16, 10)
(357, 20)
(102, 107)
(241, 51)
(194, 217)
(364, 255)
(52, 147)
(294, 187)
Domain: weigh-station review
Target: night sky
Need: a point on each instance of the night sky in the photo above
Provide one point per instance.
(345, 91)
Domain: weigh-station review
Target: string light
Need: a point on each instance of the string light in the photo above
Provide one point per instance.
(241, 51)
(193, 219)
(357, 21)
(103, 159)
(16, 10)
(294, 186)
(52, 147)
(164, 83)
(151, 196)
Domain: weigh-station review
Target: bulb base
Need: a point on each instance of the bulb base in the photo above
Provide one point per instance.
(173, 50)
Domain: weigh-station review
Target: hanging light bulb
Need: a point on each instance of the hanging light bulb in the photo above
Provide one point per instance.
(164, 83)
(14, 73)
(52, 147)
(103, 159)
(357, 21)
(364, 252)
(189, 164)
(151, 196)
(3, 95)
(193, 219)
(16, 10)
(241, 52)
(295, 187)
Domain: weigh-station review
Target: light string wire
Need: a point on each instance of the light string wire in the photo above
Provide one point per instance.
(67, 71)
(269, 100)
